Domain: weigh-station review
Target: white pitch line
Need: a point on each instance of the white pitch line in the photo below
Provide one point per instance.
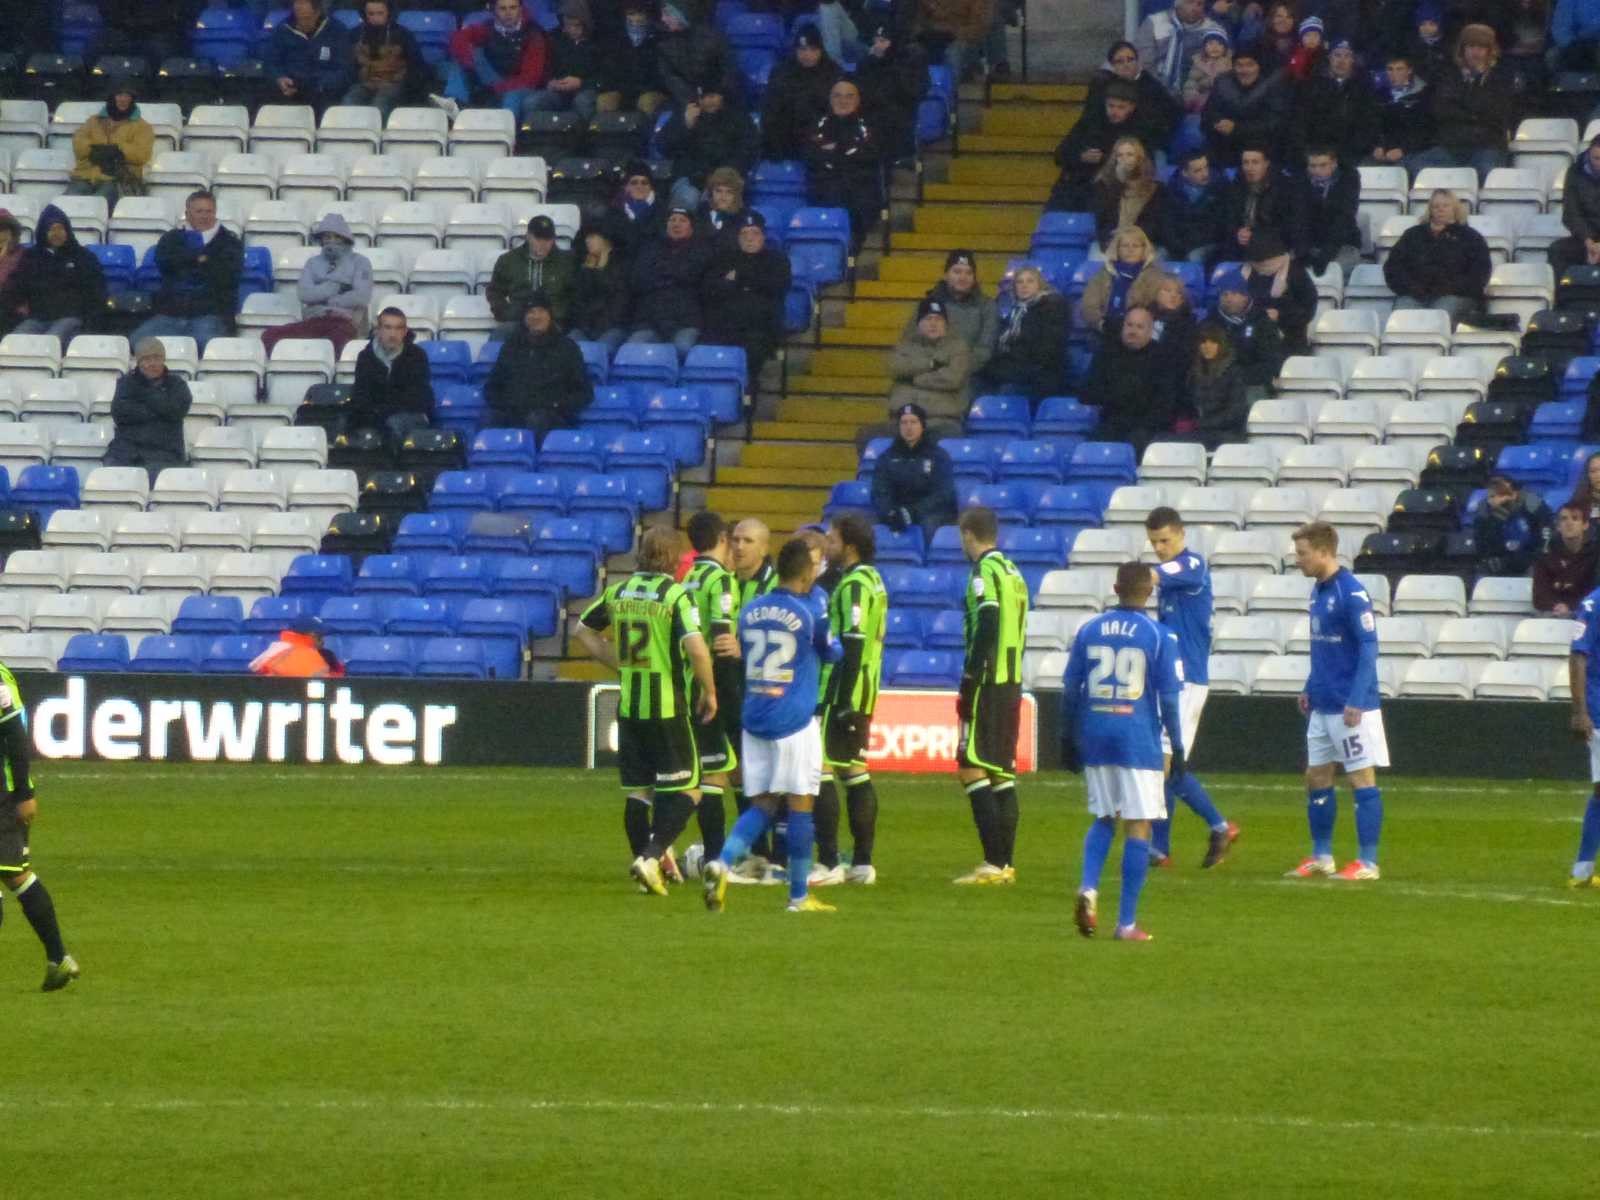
(1042, 1116)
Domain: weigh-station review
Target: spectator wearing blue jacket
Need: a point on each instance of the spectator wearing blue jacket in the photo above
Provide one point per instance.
(1575, 29)
(914, 482)
(1511, 530)
(310, 58)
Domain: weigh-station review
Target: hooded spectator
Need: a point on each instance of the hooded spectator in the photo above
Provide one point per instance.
(1475, 107)
(893, 78)
(200, 262)
(1216, 390)
(1580, 213)
(1214, 61)
(708, 133)
(58, 285)
(1254, 337)
(1327, 200)
(1565, 573)
(1427, 46)
(309, 57)
(931, 366)
(745, 288)
(335, 288)
(667, 277)
(1159, 110)
(1129, 277)
(1281, 287)
(1195, 210)
(147, 412)
(632, 76)
(539, 381)
(641, 212)
(394, 381)
(914, 481)
(500, 63)
(1031, 353)
(1440, 262)
(692, 58)
(1127, 192)
(574, 70)
(797, 96)
(1337, 107)
(844, 162)
(971, 313)
(1247, 109)
(1088, 145)
(1512, 529)
(538, 265)
(112, 149)
(1136, 386)
(1258, 200)
(600, 294)
(1168, 40)
(389, 69)
(1405, 116)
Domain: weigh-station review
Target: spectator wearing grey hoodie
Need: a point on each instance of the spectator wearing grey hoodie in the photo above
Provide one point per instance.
(1167, 41)
(972, 315)
(335, 289)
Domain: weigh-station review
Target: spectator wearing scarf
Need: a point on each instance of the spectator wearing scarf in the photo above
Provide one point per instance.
(1130, 278)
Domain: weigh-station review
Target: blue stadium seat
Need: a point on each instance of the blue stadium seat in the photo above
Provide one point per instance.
(819, 226)
(1072, 504)
(492, 533)
(898, 549)
(503, 448)
(159, 654)
(223, 35)
(944, 548)
(361, 615)
(569, 453)
(870, 456)
(596, 363)
(391, 575)
(256, 273)
(94, 652)
(529, 583)
(483, 363)
(902, 629)
(493, 616)
(1575, 380)
(46, 490)
(924, 669)
(1011, 502)
(817, 264)
(571, 546)
(273, 614)
(1532, 466)
(1067, 232)
(1057, 266)
(458, 575)
(1038, 462)
(215, 615)
(380, 656)
(945, 630)
(433, 31)
(118, 264)
(646, 362)
(448, 361)
(419, 616)
(459, 406)
(1103, 460)
(933, 118)
(799, 305)
(924, 587)
(148, 277)
(1557, 421)
(232, 655)
(1060, 415)
(849, 495)
(1036, 546)
(677, 416)
(430, 533)
(607, 502)
(80, 26)
(724, 365)
(538, 495)
(999, 416)
(644, 460)
(777, 181)
(320, 574)
(613, 412)
(1193, 278)
(462, 489)
(973, 459)
(445, 656)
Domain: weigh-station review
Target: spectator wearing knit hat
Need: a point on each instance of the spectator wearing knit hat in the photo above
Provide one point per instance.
(640, 209)
(797, 95)
(1282, 288)
(1214, 60)
(539, 381)
(1256, 340)
(1311, 52)
(1167, 41)
(914, 481)
(893, 78)
(147, 413)
(112, 148)
(931, 365)
(970, 312)
(1248, 107)
(745, 287)
(1337, 107)
(601, 295)
(711, 131)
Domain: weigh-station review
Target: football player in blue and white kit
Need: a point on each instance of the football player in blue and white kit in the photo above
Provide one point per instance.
(1340, 703)
(1183, 584)
(1121, 690)
(784, 639)
(1583, 673)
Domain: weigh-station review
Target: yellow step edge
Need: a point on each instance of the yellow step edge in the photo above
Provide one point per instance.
(990, 143)
(860, 337)
(806, 431)
(1043, 93)
(959, 220)
(820, 456)
(1032, 120)
(792, 476)
(984, 193)
(994, 243)
(911, 289)
(820, 410)
(870, 386)
(886, 313)
(926, 267)
(760, 499)
(861, 363)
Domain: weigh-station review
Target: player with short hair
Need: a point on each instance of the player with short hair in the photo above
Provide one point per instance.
(857, 613)
(715, 589)
(646, 628)
(1183, 585)
(989, 704)
(756, 575)
(785, 639)
(17, 809)
(1344, 725)
(1122, 688)
(1583, 673)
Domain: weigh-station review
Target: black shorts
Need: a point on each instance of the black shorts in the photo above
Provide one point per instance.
(840, 749)
(719, 752)
(989, 738)
(13, 841)
(658, 754)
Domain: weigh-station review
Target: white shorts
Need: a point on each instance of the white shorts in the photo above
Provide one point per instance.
(1126, 792)
(788, 766)
(1594, 758)
(1191, 703)
(1330, 740)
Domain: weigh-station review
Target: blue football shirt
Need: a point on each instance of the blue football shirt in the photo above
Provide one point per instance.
(785, 641)
(1587, 643)
(1122, 662)
(1344, 646)
(1185, 608)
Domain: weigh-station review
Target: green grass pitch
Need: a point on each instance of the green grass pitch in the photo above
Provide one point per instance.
(440, 983)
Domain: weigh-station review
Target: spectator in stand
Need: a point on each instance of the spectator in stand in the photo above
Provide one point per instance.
(1440, 262)
(573, 77)
(394, 381)
(1127, 192)
(667, 277)
(1587, 494)
(495, 64)
(722, 208)
(691, 59)
(538, 265)
(1475, 107)
(1280, 38)
(1580, 213)
(914, 481)
(797, 96)
(601, 298)
(632, 77)
(1512, 529)
(1175, 324)
(1255, 338)
(1575, 30)
(1259, 200)
(112, 149)
(1310, 53)
(1565, 573)
(1088, 146)
(1327, 199)
(147, 412)
(1129, 278)
(1427, 46)
(309, 57)
(199, 263)
(893, 78)
(931, 366)
(539, 381)
(1136, 387)
(844, 163)
(1169, 39)
(1159, 111)
(640, 210)
(745, 287)
(1213, 62)
(1215, 395)
(1405, 116)
(1281, 287)
(335, 289)
(389, 70)
(1337, 107)
(58, 285)
(709, 133)
(1246, 109)
(1195, 211)
(1031, 355)
(11, 256)
(971, 313)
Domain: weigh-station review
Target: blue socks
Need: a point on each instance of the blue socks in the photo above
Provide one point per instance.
(1135, 865)
(1322, 809)
(752, 823)
(1161, 832)
(802, 829)
(1589, 840)
(1096, 848)
(1369, 823)
(1193, 793)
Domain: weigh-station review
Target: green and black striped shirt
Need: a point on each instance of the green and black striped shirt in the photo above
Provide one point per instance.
(648, 615)
(996, 582)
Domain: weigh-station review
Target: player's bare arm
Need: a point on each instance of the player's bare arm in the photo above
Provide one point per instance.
(700, 662)
(598, 645)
